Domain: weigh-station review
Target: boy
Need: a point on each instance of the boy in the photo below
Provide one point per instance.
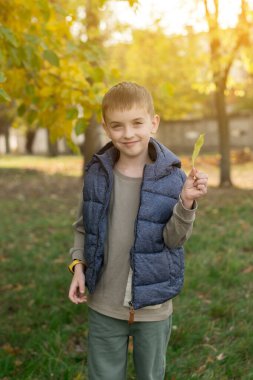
(138, 209)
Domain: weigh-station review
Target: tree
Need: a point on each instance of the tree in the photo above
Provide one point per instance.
(222, 56)
(56, 78)
(45, 69)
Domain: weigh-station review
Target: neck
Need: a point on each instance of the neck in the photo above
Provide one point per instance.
(132, 166)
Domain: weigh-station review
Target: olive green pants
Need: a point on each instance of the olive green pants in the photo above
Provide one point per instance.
(108, 348)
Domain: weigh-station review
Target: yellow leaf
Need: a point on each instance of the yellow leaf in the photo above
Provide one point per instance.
(47, 91)
(197, 147)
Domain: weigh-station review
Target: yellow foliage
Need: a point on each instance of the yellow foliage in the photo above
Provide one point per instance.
(48, 69)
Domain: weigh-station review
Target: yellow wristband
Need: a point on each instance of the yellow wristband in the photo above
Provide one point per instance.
(73, 264)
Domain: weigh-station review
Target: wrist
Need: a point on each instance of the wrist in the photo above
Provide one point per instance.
(79, 268)
(187, 203)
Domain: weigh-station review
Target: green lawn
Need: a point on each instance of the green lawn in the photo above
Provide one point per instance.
(43, 336)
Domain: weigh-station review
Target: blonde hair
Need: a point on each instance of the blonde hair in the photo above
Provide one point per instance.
(124, 96)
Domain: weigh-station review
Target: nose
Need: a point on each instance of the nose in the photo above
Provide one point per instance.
(128, 132)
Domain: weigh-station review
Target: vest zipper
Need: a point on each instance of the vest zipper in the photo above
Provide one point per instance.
(131, 313)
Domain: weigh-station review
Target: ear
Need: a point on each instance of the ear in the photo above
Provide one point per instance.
(155, 124)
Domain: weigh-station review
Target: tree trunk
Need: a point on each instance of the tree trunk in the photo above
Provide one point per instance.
(224, 136)
(52, 147)
(30, 136)
(7, 141)
(93, 140)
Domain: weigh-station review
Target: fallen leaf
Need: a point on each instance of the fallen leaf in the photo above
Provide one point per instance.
(201, 369)
(18, 287)
(203, 298)
(221, 356)
(18, 362)
(249, 269)
(79, 348)
(60, 260)
(7, 287)
(79, 376)
(3, 259)
(7, 347)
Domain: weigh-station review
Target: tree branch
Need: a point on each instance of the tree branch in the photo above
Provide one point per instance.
(216, 10)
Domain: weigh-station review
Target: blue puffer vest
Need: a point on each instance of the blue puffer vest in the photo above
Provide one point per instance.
(158, 272)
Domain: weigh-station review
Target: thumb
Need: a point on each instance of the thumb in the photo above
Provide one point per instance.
(81, 287)
(192, 173)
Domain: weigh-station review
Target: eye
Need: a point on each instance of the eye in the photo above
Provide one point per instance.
(138, 123)
(116, 126)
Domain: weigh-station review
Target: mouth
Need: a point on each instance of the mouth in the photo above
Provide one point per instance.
(129, 143)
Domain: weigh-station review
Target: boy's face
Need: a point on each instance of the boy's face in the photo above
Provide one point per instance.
(130, 130)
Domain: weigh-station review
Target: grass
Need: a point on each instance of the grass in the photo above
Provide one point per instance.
(43, 336)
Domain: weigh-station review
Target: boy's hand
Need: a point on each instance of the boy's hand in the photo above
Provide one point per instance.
(195, 187)
(77, 288)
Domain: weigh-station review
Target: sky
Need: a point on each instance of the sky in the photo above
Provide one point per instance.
(174, 14)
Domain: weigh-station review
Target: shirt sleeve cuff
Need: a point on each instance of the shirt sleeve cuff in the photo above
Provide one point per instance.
(183, 213)
(77, 254)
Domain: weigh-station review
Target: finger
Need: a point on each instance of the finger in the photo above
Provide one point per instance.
(73, 293)
(202, 189)
(82, 299)
(201, 181)
(72, 297)
(80, 296)
(81, 288)
(200, 175)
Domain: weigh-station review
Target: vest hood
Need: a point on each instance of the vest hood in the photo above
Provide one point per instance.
(163, 159)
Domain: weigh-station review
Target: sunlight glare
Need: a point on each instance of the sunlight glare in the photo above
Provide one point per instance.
(174, 16)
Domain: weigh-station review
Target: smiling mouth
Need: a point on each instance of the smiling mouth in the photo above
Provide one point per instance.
(129, 142)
